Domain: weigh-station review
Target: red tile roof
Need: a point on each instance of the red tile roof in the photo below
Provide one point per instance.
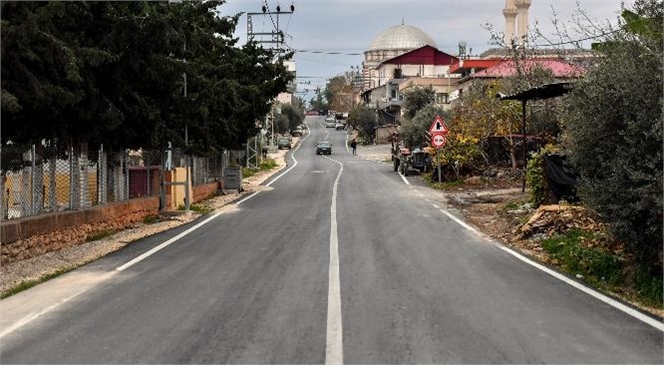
(467, 65)
(560, 69)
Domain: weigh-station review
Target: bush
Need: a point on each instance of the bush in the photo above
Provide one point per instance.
(536, 179)
(613, 125)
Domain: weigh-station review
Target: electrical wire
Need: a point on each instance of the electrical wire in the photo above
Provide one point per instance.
(267, 7)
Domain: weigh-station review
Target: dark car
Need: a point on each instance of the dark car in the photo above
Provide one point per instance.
(324, 148)
(297, 132)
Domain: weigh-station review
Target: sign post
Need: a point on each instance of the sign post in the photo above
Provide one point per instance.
(438, 132)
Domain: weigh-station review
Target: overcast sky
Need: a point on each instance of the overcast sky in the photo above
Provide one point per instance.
(349, 26)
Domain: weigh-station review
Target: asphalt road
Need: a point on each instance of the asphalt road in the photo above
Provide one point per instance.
(338, 260)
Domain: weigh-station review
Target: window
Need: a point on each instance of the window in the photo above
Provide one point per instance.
(442, 98)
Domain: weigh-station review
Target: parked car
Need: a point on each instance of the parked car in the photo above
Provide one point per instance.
(324, 148)
(297, 132)
(339, 126)
(330, 123)
(284, 142)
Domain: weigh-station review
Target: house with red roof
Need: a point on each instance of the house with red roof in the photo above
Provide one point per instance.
(426, 64)
(486, 70)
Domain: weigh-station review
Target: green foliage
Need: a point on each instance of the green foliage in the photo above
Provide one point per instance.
(416, 99)
(650, 286)
(364, 119)
(27, 284)
(281, 123)
(613, 123)
(151, 219)
(536, 179)
(97, 235)
(293, 117)
(318, 103)
(413, 131)
(201, 209)
(268, 164)
(112, 73)
(248, 172)
(595, 264)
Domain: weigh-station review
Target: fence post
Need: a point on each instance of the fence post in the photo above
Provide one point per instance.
(33, 180)
(125, 162)
(84, 200)
(38, 189)
(3, 176)
(52, 165)
(101, 176)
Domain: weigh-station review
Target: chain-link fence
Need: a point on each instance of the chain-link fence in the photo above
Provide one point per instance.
(44, 178)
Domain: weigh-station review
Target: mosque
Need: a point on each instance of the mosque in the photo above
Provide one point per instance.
(400, 39)
(404, 56)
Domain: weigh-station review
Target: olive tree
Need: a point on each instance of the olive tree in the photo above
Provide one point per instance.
(613, 125)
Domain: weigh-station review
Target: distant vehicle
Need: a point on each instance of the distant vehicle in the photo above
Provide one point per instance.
(313, 112)
(297, 132)
(324, 148)
(339, 126)
(330, 123)
(304, 126)
(284, 143)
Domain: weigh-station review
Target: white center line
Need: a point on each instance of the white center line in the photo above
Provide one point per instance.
(334, 352)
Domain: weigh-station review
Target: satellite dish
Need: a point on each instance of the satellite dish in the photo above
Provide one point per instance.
(463, 44)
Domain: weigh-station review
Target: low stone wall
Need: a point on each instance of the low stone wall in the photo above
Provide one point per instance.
(32, 236)
(202, 192)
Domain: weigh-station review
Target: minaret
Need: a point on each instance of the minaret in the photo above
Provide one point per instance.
(522, 20)
(510, 17)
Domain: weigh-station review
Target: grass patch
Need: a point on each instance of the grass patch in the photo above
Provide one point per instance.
(268, 164)
(150, 219)
(27, 284)
(445, 185)
(597, 266)
(248, 172)
(202, 209)
(649, 287)
(97, 235)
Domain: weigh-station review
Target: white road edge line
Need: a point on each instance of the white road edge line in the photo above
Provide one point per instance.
(334, 352)
(287, 170)
(25, 320)
(206, 221)
(166, 243)
(404, 178)
(595, 294)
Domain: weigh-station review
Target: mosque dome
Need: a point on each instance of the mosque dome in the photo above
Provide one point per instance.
(401, 37)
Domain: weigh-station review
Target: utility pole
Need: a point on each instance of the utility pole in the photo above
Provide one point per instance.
(272, 40)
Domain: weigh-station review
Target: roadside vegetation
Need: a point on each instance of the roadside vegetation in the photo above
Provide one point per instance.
(266, 165)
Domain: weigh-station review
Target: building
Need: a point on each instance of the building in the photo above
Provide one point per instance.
(392, 42)
(403, 53)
